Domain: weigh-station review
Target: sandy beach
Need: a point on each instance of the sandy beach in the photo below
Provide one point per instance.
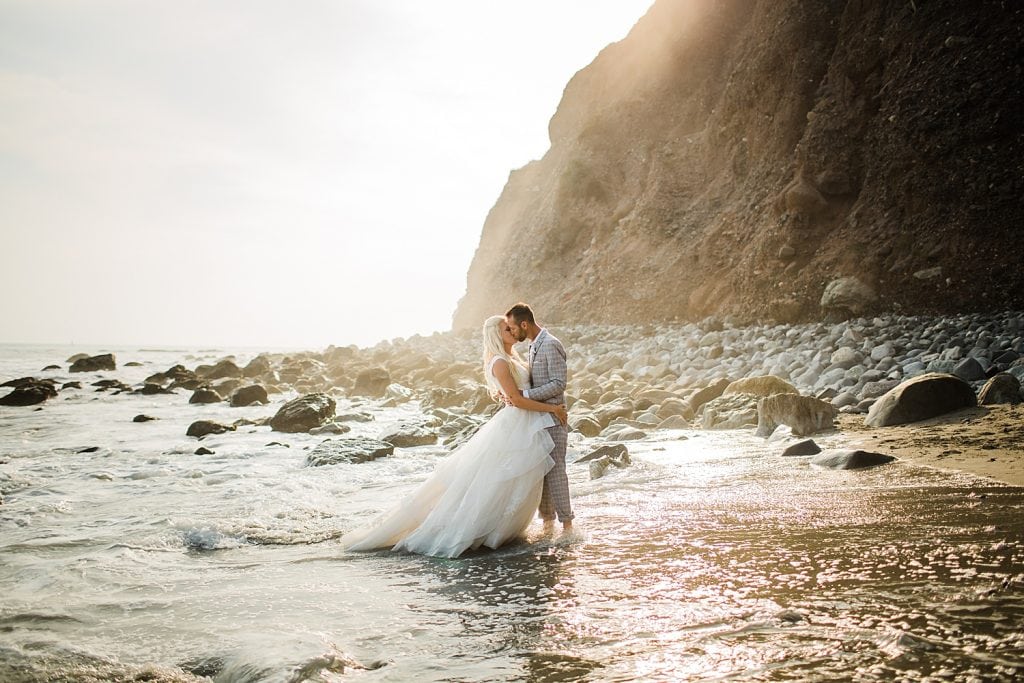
(987, 441)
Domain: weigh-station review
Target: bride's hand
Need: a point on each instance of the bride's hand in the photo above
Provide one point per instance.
(562, 414)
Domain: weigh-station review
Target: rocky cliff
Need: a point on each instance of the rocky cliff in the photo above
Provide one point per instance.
(738, 156)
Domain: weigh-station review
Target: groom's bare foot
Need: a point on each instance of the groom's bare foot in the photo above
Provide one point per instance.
(549, 526)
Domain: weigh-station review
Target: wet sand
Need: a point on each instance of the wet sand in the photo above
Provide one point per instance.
(987, 441)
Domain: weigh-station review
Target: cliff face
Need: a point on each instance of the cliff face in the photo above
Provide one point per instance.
(736, 156)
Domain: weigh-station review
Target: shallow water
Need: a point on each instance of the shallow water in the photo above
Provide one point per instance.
(711, 558)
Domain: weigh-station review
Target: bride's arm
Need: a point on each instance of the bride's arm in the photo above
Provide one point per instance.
(508, 386)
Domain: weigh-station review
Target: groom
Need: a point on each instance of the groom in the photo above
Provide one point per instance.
(548, 374)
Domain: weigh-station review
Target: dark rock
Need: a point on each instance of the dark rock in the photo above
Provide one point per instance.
(224, 368)
(246, 396)
(409, 436)
(21, 382)
(354, 417)
(805, 447)
(76, 357)
(372, 382)
(88, 449)
(201, 428)
(103, 361)
(152, 389)
(335, 451)
(1002, 388)
(970, 370)
(614, 451)
(303, 413)
(133, 364)
(30, 393)
(143, 418)
(1006, 357)
(920, 398)
(51, 367)
(205, 396)
(843, 459)
(876, 389)
(203, 450)
(71, 385)
(105, 384)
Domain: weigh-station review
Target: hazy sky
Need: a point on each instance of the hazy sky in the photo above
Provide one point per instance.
(266, 173)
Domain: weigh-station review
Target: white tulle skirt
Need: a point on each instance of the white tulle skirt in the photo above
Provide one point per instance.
(484, 493)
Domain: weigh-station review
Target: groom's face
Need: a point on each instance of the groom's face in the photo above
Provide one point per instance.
(518, 329)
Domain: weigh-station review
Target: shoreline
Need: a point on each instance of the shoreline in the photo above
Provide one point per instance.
(986, 441)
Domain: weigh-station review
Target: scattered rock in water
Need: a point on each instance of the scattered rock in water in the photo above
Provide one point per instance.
(76, 357)
(602, 458)
(805, 415)
(29, 392)
(203, 450)
(332, 427)
(849, 459)
(624, 433)
(303, 413)
(805, 447)
(920, 398)
(71, 385)
(205, 396)
(143, 418)
(51, 367)
(98, 363)
(152, 389)
(409, 436)
(1001, 388)
(223, 368)
(335, 451)
(133, 364)
(257, 367)
(613, 451)
(88, 449)
(201, 428)
(354, 417)
(372, 382)
(247, 396)
(107, 384)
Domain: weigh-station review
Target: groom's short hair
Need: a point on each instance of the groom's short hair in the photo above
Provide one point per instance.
(521, 312)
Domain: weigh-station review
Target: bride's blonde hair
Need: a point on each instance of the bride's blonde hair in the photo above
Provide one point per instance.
(493, 346)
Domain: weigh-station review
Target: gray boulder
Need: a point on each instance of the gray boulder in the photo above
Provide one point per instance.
(1001, 388)
(247, 396)
(29, 393)
(613, 451)
(849, 459)
(921, 398)
(372, 382)
(805, 447)
(335, 451)
(409, 436)
(201, 428)
(730, 412)
(303, 413)
(847, 294)
(970, 370)
(103, 361)
(205, 395)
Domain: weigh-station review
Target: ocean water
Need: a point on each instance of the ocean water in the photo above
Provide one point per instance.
(710, 558)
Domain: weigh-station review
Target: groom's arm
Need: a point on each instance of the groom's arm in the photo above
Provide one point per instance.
(552, 357)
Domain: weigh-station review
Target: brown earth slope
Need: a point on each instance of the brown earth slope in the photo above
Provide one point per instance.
(735, 156)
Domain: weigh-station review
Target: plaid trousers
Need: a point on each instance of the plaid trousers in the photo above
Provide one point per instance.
(555, 496)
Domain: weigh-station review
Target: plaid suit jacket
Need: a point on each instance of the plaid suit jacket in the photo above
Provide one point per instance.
(548, 371)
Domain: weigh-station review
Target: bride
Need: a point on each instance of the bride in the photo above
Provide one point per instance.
(487, 491)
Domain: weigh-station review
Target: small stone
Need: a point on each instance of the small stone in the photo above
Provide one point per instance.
(805, 447)
(202, 450)
(143, 418)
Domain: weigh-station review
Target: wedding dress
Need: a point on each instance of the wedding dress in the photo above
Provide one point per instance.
(484, 493)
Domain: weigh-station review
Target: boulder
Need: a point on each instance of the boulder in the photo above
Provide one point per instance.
(805, 415)
(151, 389)
(921, 398)
(620, 407)
(203, 450)
(204, 395)
(335, 451)
(409, 436)
(201, 428)
(969, 370)
(51, 367)
(805, 447)
(372, 382)
(30, 393)
(674, 406)
(847, 294)
(258, 366)
(143, 418)
(224, 368)
(708, 393)
(303, 413)
(730, 412)
(602, 458)
(626, 433)
(849, 459)
(674, 422)
(765, 385)
(103, 361)
(585, 425)
(613, 451)
(247, 396)
(332, 427)
(1001, 388)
